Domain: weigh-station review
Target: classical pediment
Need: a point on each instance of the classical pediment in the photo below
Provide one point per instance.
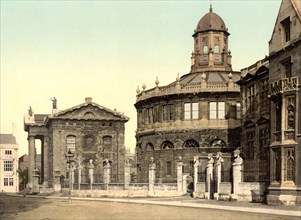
(89, 111)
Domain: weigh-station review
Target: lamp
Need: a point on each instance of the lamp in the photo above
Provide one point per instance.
(68, 156)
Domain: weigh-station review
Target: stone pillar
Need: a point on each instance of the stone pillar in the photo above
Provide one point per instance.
(151, 174)
(79, 169)
(35, 181)
(209, 174)
(72, 168)
(195, 172)
(218, 170)
(237, 171)
(46, 160)
(31, 152)
(91, 172)
(180, 175)
(127, 174)
(107, 171)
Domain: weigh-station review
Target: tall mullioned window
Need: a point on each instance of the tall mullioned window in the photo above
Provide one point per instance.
(8, 165)
(217, 110)
(168, 112)
(191, 110)
(150, 115)
(70, 141)
(168, 168)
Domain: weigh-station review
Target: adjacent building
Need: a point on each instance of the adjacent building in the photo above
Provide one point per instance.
(89, 131)
(255, 121)
(9, 181)
(285, 105)
(197, 114)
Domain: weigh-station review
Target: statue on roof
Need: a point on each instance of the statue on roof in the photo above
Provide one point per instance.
(54, 101)
(30, 111)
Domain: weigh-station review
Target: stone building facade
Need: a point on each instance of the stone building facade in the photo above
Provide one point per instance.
(9, 179)
(88, 130)
(255, 121)
(285, 109)
(197, 114)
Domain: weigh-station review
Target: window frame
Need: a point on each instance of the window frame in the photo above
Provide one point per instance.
(8, 165)
(216, 111)
(71, 143)
(168, 112)
(191, 111)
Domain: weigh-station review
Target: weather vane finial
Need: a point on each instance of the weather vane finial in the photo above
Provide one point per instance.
(210, 10)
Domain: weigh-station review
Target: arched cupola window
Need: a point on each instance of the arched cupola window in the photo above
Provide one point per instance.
(205, 49)
(167, 145)
(191, 144)
(216, 49)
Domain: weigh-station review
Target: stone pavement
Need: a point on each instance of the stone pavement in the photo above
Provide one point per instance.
(186, 201)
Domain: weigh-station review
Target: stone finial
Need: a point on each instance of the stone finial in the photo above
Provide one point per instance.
(137, 90)
(143, 86)
(88, 99)
(230, 76)
(157, 81)
(178, 78)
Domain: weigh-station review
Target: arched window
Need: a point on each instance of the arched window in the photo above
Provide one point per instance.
(191, 144)
(167, 145)
(216, 49)
(149, 147)
(205, 49)
(70, 143)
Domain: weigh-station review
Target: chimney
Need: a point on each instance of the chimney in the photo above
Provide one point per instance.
(88, 99)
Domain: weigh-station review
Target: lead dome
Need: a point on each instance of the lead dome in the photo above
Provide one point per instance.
(211, 21)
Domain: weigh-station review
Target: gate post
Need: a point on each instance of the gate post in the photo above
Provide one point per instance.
(237, 171)
(151, 174)
(209, 179)
(218, 171)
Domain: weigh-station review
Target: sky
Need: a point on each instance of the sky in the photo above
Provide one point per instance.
(105, 49)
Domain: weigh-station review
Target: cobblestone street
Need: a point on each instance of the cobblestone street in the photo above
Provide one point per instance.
(39, 208)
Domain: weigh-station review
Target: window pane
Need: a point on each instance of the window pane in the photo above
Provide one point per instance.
(187, 111)
(195, 110)
(238, 116)
(212, 107)
(221, 110)
(168, 168)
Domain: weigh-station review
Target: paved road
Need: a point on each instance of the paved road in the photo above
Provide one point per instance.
(46, 209)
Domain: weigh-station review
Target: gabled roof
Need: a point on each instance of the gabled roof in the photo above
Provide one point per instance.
(296, 4)
(7, 139)
(87, 103)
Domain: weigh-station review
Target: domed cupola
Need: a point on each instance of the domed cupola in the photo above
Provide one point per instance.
(211, 22)
(211, 45)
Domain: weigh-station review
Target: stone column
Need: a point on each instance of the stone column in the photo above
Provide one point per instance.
(180, 175)
(79, 169)
(127, 174)
(31, 152)
(237, 171)
(91, 172)
(218, 170)
(209, 174)
(151, 174)
(107, 172)
(195, 172)
(46, 160)
(72, 168)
